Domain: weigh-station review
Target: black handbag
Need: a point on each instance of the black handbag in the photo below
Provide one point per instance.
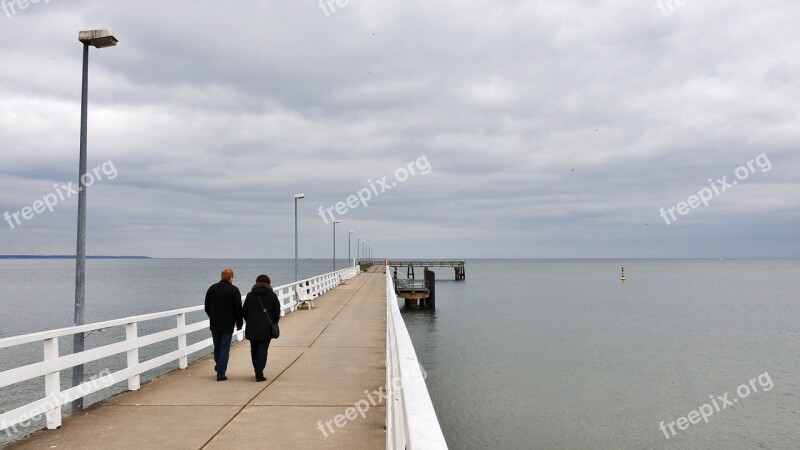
(274, 330)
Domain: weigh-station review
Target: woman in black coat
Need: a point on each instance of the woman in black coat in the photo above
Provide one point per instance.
(260, 307)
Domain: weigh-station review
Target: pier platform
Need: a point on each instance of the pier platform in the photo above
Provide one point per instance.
(458, 265)
(327, 359)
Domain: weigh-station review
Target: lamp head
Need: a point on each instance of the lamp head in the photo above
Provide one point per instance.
(98, 38)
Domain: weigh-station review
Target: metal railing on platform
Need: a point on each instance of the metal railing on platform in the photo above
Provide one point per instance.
(426, 262)
(54, 398)
(409, 284)
(411, 421)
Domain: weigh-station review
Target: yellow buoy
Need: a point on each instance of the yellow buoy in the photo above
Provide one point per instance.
(622, 277)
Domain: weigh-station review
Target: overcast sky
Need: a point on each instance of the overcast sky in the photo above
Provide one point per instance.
(533, 128)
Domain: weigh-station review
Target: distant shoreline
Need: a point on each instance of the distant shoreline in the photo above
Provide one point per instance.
(69, 257)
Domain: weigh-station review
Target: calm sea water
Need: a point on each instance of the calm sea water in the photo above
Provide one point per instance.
(523, 353)
(560, 354)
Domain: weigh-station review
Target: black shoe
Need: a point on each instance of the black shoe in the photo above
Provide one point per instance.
(260, 378)
(222, 378)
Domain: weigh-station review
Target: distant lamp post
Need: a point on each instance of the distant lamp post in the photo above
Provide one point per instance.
(358, 249)
(349, 261)
(296, 198)
(334, 243)
(97, 39)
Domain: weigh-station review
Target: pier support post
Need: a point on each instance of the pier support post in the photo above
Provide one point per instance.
(430, 281)
(131, 333)
(183, 361)
(52, 383)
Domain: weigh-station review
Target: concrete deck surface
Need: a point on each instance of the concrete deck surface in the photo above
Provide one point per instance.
(326, 360)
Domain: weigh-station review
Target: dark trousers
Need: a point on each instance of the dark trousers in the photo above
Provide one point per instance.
(222, 351)
(258, 353)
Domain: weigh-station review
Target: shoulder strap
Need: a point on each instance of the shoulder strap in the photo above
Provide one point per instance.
(264, 309)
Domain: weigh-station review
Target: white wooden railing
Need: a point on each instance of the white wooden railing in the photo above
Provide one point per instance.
(54, 397)
(411, 421)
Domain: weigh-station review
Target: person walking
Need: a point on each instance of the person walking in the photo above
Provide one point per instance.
(261, 308)
(224, 309)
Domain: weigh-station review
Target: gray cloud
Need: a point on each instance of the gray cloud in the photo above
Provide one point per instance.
(554, 129)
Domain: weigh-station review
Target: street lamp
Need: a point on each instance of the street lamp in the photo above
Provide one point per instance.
(296, 198)
(349, 261)
(97, 39)
(334, 243)
(358, 249)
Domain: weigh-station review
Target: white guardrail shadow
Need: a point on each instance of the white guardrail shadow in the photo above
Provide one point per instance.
(411, 421)
(54, 397)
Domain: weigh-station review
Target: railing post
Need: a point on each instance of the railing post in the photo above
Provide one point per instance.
(131, 333)
(183, 361)
(52, 383)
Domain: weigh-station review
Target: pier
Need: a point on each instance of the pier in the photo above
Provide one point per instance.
(419, 293)
(410, 264)
(327, 378)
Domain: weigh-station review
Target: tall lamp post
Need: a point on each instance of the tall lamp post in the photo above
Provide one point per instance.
(296, 198)
(349, 261)
(98, 39)
(334, 243)
(358, 249)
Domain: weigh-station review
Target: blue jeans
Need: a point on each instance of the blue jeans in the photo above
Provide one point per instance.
(222, 351)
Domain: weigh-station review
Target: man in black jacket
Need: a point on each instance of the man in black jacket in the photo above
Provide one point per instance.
(224, 309)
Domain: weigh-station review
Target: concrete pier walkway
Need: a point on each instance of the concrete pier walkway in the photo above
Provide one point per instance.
(326, 360)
